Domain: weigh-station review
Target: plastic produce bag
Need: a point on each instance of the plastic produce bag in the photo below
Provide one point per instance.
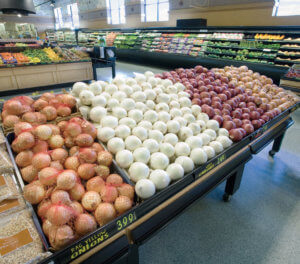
(8, 187)
(19, 240)
(5, 162)
(10, 206)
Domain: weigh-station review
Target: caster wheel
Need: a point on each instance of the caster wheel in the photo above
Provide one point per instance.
(272, 153)
(226, 197)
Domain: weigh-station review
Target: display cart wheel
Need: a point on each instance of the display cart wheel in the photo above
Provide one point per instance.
(226, 197)
(272, 153)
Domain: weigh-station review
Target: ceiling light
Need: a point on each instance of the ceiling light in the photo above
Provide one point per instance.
(19, 15)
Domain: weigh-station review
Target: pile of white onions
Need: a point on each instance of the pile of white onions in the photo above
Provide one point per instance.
(153, 129)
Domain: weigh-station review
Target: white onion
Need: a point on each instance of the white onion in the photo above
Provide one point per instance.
(141, 106)
(145, 188)
(136, 115)
(132, 143)
(212, 133)
(225, 141)
(111, 89)
(141, 155)
(130, 81)
(150, 94)
(171, 138)
(195, 128)
(180, 87)
(184, 133)
(139, 97)
(189, 118)
(194, 142)
(183, 94)
(151, 145)
(126, 89)
(172, 89)
(115, 145)
(167, 149)
(128, 104)
(150, 104)
(212, 124)
(186, 163)
(99, 100)
(136, 88)
(119, 112)
(151, 116)
(84, 111)
(223, 132)
(86, 97)
(156, 135)
(106, 95)
(217, 146)
(175, 171)
(174, 112)
(109, 121)
(145, 124)
(138, 171)
(124, 158)
(161, 126)
(199, 156)
(140, 132)
(164, 116)
(174, 104)
(160, 178)
(182, 149)
(205, 138)
(173, 126)
(163, 98)
(122, 131)
(97, 113)
(181, 121)
(112, 103)
(202, 124)
(128, 122)
(145, 86)
(210, 152)
(95, 88)
(78, 87)
(203, 116)
(159, 161)
(186, 110)
(119, 95)
(162, 107)
(196, 110)
(105, 133)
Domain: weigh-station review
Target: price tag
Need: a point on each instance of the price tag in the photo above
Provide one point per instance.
(268, 50)
(213, 164)
(203, 30)
(126, 221)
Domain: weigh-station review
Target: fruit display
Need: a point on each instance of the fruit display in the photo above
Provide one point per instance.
(152, 128)
(51, 54)
(294, 72)
(48, 107)
(8, 58)
(213, 45)
(69, 179)
(239, 99)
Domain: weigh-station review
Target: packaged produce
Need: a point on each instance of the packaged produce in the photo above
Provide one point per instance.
(8, 187)
(19, 240)
(10, 206)
(5, 162)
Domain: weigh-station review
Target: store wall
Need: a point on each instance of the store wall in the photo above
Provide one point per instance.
(217, 12)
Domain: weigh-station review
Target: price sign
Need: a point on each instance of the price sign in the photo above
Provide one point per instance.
(213, 164)
(126, 221)
(203, 30)
(268, 50)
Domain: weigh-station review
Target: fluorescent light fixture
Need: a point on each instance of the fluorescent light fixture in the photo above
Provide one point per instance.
(19, 15)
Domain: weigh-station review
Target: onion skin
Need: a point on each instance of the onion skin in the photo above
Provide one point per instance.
(126, 190)
(59, 214)
(66, 180)
(73, 129)
(114, 179)
(50, 113)
(29, 173)
(60, 197)
(104, 213)
(25, 141)
(87, 155)
(40, 146)
(77, 192)
(86, 171)
(95, 184)
(104, 158)
(43, 208)
(97, 147)
(109, 193)
(84, 224)
(123, 204)
(24, 158)
(48, 176)
(84, 140)
(72, 163)
(22, 127)
(34, 192)
(41, 160)
(61, 236)
(91, 200)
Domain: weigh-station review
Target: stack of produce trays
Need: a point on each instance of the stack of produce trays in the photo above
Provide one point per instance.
(240, 100)
(152, 128)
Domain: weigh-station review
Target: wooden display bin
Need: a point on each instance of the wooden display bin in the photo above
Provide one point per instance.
(44, 75)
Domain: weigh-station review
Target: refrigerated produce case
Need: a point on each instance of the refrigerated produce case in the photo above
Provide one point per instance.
(269, 50)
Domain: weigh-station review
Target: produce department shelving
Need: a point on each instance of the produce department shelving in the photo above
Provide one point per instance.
(275, 48)
(118, 241)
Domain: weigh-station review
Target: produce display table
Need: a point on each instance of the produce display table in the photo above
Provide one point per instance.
(22, 77)
(120, 241)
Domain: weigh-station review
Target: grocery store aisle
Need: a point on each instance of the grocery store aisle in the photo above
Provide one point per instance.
(260, 224)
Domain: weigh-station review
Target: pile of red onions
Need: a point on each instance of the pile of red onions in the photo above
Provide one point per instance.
(239, 99)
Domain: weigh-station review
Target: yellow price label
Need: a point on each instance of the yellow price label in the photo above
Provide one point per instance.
(126, 221)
